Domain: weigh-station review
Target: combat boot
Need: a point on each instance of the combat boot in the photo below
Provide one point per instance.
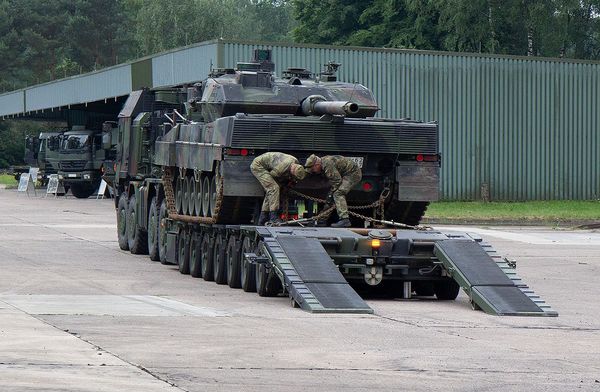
(263, 218)
(342, 223)
(274, 218)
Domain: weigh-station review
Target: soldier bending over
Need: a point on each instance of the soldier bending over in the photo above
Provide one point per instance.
(343, 174)
(269, 169)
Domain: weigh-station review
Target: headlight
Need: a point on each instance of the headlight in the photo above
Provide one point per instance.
(86, 176)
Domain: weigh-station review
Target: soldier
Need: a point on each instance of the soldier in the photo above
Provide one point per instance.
(269, 169)
(343, 174)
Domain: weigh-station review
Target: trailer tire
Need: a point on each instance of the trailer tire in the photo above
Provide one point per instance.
(446, 290)
(162, 231)
(207, 257)
(233, 262)
(196, 255)
(153, 231)
(183, 252)
(122, 222)
(83, 191)
(137, 238)
(247, 270)
(219, 260)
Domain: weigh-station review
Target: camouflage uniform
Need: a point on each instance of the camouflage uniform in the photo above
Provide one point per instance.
(343, 174)
(268, 168)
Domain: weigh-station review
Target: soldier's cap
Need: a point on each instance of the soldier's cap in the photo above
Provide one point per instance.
(298, 172)
(310, 161)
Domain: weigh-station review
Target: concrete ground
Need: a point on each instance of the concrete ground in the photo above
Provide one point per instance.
(78, 314)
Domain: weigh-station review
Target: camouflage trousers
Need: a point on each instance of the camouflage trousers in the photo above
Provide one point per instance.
(271, 201)
(339, 195)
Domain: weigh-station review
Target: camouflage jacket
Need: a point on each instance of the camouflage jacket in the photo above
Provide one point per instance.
(276, 163)
(336, 167)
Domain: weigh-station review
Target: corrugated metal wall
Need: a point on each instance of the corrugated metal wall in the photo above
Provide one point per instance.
(11, 103)
(184, 65)
(526, 128)
(107, 83)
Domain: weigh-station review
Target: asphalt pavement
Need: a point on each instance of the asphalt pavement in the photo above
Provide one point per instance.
(79, 314)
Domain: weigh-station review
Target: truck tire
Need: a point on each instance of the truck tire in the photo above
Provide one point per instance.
(233, 262)
(82, 191)
(207, 257)
(183, 252)
(219, 260)
(122, 222)
(446, 290)
(136, 237)
(153, 235)
(247, 272)
(196, 255)
(162, 232)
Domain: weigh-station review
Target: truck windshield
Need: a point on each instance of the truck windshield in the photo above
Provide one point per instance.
(76, 142)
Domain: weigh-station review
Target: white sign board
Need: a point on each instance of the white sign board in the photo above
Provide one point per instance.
(33, 173)
(25, 185)
(55, 186)
(101, 190)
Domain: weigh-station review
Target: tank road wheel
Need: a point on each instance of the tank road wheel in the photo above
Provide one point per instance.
(185, 200)
(446, 290)
(122, 221)
(196, 255)
(153, 223)
(206, 192)
(191, 196)
(213, 195)
(163, 214)
(198, 197)
(183, 252)
(233, 262)
(219, 260)
(137, 238)
(247, 270)
(179, 195)
(207, 257)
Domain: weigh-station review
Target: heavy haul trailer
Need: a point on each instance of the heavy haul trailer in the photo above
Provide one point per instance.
(186, 195)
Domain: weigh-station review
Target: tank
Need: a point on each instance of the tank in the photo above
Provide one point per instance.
(203, 138)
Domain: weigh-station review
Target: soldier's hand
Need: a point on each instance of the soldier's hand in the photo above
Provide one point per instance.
(329, 199)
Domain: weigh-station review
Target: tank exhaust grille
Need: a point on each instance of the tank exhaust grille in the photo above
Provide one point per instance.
(351, 136)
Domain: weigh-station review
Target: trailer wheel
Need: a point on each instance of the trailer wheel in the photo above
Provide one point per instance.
(446, 290)
(233, 262)
(183, 252)
(247, 270)
(153, 231)
(122, 222)
(219, 260)
(196, 255)
(137, 238)
(207, 257)
(163, 214)
(267, 284)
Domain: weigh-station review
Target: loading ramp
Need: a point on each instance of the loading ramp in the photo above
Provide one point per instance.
(486, 283)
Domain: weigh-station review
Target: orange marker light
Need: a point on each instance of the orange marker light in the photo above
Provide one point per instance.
(375, 243)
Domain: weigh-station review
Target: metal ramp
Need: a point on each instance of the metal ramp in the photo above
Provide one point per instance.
(488, 286)
(312, 279)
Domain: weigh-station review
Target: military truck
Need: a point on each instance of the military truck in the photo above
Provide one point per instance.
(41, 151)
(186, 196)
(82, 157)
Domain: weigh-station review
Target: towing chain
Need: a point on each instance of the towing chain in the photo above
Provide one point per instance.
(167, 180)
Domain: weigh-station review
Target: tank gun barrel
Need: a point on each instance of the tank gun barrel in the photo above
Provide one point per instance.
(316, 105)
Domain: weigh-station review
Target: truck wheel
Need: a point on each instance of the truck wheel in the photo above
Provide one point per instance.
(247, 273)
(82, 191)
(162, 231)
(196, 255)
(233, 262)
(446, 290)
(207, 257)
(219, 260)
(122, 222)
(183, 252)
(136, 237)
(153, 235)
